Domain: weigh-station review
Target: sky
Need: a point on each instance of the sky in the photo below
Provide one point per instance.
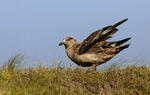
(35, 27)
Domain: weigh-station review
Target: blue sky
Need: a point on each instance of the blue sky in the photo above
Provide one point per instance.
(35, 27)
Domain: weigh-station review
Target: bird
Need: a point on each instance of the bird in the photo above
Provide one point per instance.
(95, 49)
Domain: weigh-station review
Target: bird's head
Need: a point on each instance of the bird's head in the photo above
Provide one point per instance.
(68, 42)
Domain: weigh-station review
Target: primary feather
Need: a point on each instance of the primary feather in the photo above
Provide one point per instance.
(100, 35)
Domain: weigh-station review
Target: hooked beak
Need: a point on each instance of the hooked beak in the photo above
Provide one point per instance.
(61, 43)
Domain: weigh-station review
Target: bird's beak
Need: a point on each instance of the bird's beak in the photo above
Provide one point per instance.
(61, 43)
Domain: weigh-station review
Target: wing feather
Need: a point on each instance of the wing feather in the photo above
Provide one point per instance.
(99, 35)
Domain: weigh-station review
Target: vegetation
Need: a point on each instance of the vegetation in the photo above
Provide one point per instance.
(42, 80)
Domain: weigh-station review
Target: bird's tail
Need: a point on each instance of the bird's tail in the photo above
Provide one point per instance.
(122, 47)
(118, 43)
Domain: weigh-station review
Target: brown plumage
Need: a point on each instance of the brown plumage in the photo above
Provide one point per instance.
(95, 50)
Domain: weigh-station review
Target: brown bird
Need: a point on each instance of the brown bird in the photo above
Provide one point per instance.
(95, 50)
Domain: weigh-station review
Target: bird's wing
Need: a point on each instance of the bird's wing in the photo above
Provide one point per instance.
(99, 35)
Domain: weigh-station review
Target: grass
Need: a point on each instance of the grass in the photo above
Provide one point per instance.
(42, 80)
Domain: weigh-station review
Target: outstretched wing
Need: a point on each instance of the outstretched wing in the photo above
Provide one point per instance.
(100, 35)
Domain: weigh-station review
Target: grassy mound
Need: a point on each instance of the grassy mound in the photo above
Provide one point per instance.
(58, 81)
(42, 81)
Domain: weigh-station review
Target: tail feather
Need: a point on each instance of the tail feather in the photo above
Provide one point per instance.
(117, 43)
(122, 47)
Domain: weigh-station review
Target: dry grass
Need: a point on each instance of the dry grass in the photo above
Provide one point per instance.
(42, 80)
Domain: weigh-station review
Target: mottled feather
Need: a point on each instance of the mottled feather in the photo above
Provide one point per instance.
(100, 35)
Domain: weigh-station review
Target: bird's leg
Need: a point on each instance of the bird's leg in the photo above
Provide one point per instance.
(94, 67)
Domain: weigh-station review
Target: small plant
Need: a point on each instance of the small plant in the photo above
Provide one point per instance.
(14, 63)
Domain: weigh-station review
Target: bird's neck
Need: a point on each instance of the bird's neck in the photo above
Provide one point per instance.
(70, 49)
(70, 52)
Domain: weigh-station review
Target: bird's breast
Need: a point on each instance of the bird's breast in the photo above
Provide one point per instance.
(83, 58)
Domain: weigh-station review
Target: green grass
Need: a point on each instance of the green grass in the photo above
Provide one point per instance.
(42, 80)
